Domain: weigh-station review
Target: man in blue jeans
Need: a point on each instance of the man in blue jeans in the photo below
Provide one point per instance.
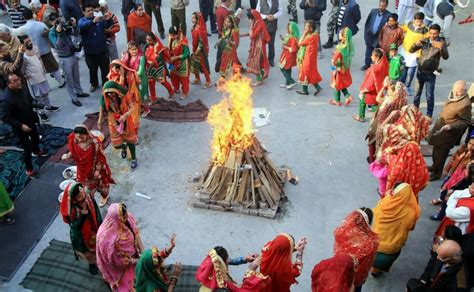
(432, 49)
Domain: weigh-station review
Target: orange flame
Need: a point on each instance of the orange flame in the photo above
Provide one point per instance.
(231, 118)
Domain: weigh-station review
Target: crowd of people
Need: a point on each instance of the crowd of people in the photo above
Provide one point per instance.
(50, 38)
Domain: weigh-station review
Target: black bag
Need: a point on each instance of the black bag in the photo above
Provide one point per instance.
(420, 3)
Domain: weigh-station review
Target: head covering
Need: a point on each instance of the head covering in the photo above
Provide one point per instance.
(346, 48)
(147, 279)
(394, 216)
(335, 274)
(393, 46)
(354, 237)
(199, 32)
(213, 272)
(117, 244)
(294, 31)
(127, 57)
(259, 25)
(276, 263)
(115, 76)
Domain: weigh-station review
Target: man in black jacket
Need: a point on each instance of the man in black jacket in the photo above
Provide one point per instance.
(377, 18)
(313, 10)
(18, 113)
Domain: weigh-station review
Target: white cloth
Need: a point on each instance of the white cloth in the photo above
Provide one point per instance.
(410, 58)
(33, 68)
(276, 15)
(460, 215)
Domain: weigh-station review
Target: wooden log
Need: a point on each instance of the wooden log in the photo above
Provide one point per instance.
(208, 178)
(242, 186)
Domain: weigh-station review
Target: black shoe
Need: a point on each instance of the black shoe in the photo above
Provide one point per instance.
(208, 34)
(301, 92)
(434, 177)
(162, 36)
(436, 217)
(329, 44)
(93, 269)
(365, 67)
(243, 70)
(7, 220)
(40, 153)
(134, 164)
(43, 117)
(215, 31)
(52, 108)
(83, 95)
(272, 63)
(76, 103)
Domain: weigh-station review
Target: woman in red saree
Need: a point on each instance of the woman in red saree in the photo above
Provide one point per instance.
(213, 274)
(157, 55)
(199, 57)
(118, 248)
(308, 59)
(228, 43)
(400, 149)
(354, 237)
(117, 105)
(179, 61)
(373, 83)
(79, 210)
(335, 274)
(138, 25)
(257, 62)
(277, 262)
(93, 172)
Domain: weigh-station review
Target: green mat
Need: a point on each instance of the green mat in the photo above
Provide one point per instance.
(57, 270)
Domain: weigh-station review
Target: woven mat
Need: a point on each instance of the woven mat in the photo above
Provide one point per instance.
(171, 111)
(57, 270)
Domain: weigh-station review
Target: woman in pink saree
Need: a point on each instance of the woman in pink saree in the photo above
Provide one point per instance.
(118, 248)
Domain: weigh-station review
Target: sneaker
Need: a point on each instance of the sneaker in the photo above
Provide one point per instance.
(291, 86)
(134, 164)
(83, 95)
(76, 103)
(145, 113)
(52, 108)
(283, 85)
(40, 153)
(43, 117)
(62, 85)
(301, 92)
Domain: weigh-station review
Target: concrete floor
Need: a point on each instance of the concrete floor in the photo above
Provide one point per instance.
(321, 144)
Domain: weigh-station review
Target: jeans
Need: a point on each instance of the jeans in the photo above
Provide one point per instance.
(30, 143)
(428, 79)
(94, 62)
(408, 76)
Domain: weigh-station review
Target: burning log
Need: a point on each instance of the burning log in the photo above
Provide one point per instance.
(241, 177)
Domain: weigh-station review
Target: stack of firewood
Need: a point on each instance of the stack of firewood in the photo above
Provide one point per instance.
(248, 182)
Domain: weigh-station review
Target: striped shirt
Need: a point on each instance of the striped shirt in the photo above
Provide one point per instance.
(340, 16)
(16, 16)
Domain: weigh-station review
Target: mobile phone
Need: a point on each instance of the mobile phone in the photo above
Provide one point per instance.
(98, 14)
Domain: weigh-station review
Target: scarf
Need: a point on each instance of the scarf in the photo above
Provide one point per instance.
(293, 31)
(346, 48)
(335, 274)
(199, 33)
(141, 22)
(147, 279)
(213, 272)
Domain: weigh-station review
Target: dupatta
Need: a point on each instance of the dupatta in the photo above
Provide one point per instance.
(346, 48)
(335, 274)
(259, 26)
(141, 22)
(147, 278)
(199, 32)
(117, 244)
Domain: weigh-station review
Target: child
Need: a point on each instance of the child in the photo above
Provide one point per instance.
(372, 84)
(179, 61)
(341, 78)
(199, 60)
(156, 56)
(288, 54)
(35, 75)
(396, 63)
(308, 59)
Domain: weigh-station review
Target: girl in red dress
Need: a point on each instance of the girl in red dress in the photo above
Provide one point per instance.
(157, 56)
(341, 78)
(308, 59)
(288, 54)
(179, 61)
(199, 60)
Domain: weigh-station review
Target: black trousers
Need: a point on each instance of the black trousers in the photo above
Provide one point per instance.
(440, 154)
(253, 4)
(271, 46)
(207, 10)
(149, 8)
(30, 143)
(94, 62)
(217, 68)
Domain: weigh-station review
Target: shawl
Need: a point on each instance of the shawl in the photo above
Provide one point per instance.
(116, 244)
(127, 59)
(335, 274)
(259, 26)
(213, 272)
(293, 30)
(346, 48)
(394, 216)
(276, 263)
(147, 279)
(71, 213)
(375, 75)
(130, 78)
(88, 159)
(199, 33)
(141, 22)
(354, 237)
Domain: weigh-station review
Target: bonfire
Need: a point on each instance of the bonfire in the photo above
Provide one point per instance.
(241, 177)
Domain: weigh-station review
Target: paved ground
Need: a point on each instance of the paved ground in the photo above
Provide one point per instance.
(322, 145)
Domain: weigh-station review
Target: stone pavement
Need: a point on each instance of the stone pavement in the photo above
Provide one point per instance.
(321, 144)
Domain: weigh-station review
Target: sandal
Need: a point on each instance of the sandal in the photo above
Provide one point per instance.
(196, 82)
(207, 85)
(436, 202)
(348, 100)
(103, 201)
(336, 103)
(357, 118)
